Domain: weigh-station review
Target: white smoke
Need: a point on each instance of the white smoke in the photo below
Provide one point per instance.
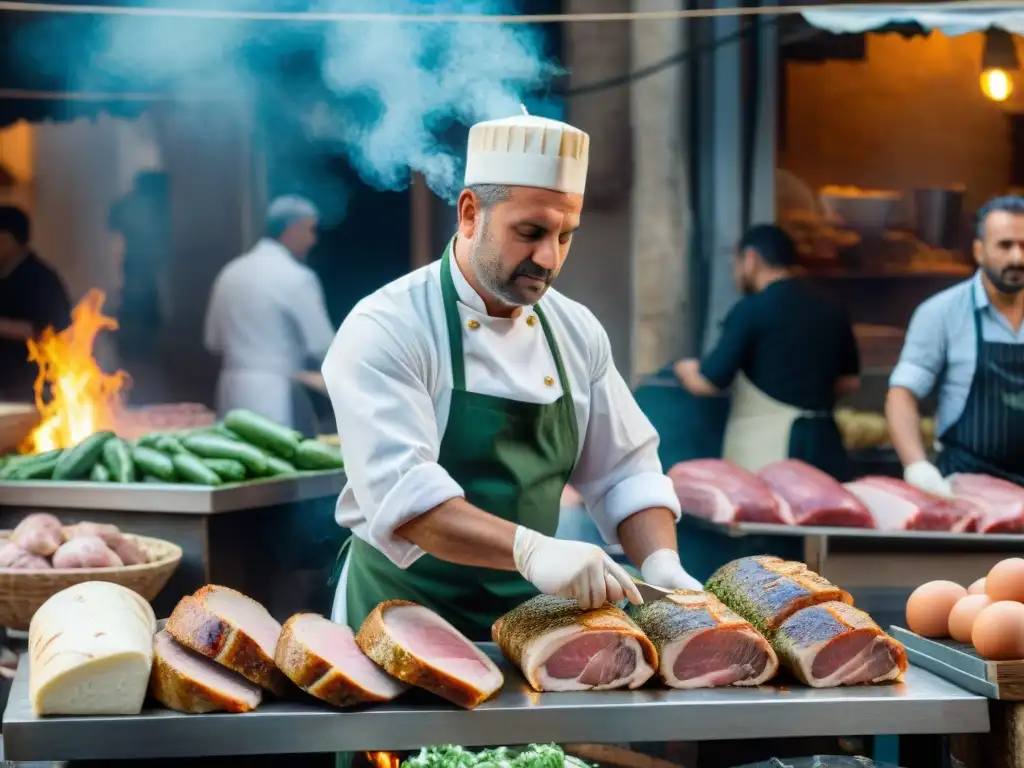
(394, 87)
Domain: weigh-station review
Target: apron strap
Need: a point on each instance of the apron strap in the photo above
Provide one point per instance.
(556, 353)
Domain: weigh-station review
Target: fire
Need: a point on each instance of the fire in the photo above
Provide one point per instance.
(74, 396)
(383, 759)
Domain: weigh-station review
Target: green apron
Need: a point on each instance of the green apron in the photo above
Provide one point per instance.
(513, 459)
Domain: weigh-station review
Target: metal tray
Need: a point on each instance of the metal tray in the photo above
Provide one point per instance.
(923, 703)
(736, 530)
(960, 664)
(172, 498)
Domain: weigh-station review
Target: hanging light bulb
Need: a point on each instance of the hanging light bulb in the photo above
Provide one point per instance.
(998, 63)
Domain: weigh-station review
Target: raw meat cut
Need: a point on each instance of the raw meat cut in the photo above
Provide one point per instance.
(560, 647)
(723, 492)
(835, 644)
(703, 644)
(322, 658)
(184, 681)
(233, 630)
(898, 506)
(420, 648)
(39, 534)
(814, 497)
(767, 590)
(998, 504)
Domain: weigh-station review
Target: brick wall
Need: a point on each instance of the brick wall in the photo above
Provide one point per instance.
(911, 115)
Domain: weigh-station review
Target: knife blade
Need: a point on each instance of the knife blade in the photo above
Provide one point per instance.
(649, 591)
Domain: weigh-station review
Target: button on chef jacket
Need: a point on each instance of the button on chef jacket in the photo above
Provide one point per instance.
(390, 380)
(792, 343)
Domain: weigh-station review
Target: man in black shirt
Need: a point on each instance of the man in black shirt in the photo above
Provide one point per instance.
(788, 355)
(32, 297)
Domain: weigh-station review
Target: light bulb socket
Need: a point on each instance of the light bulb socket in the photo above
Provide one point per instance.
(1000, 51)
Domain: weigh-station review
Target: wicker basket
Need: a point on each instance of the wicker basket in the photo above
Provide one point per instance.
(16, 421)
(23, 592)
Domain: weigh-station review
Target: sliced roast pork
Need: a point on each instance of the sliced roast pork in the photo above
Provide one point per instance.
(184, 681)
(322, 658)
(814, 497)
(560, 647)
(233, 630)
(415, 645)
(834, 644)
(767, 590)
(723, 492)
(999, 504)
(703, 644)
(898, 506)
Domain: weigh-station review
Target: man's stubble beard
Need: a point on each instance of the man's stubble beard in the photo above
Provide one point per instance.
(485, 260)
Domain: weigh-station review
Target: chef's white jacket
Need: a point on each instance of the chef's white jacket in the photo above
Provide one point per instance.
(266, 317)
(389, 376)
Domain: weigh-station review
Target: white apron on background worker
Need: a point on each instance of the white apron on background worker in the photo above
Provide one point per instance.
(467, 395)
(267, 319)
(786, 356)
(968, 344)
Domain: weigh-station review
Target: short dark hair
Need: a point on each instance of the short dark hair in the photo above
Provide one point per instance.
(1006, 204)
(771, 243)
(16, 223)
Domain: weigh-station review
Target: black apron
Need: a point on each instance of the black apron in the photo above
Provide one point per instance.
(988, 438)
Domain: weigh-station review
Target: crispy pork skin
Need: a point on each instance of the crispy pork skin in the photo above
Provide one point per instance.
(560, 647)
(415, 645)
(322, 658)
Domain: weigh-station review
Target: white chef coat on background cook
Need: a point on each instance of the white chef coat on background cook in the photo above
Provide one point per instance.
(389, 376)
(266, 317)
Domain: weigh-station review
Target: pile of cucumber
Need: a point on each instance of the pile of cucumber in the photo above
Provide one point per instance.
(245, 446)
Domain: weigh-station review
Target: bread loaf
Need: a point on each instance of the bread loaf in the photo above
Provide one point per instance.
(91, 651)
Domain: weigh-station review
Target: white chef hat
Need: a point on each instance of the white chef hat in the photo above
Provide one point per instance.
(291, 208)
(528, 151)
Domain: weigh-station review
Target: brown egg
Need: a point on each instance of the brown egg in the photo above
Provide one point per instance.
(1006, 580)
(961, 618)
(929, 606)
(998, 632)
(977, 588)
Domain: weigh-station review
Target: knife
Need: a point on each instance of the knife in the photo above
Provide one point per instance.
(650, 592)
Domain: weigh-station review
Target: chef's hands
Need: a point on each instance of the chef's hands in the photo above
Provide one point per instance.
(663, 569)
(573, 569)
(926, 476)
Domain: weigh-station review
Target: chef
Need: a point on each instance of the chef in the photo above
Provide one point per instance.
(468, 393)
(788, 355)
(267, 318)
(966, 342)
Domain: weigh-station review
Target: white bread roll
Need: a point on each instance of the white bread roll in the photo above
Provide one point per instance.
(91, 651)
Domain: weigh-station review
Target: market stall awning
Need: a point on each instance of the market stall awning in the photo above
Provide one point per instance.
(950, 18)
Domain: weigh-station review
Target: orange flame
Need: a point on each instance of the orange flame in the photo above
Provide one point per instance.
(383, 759)
(74, 396)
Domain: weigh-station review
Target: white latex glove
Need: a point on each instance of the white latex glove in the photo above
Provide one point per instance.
(663, 569)
(926, 476)
(572, 569)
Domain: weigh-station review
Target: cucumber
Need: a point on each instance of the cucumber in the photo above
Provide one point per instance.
(151, 479)
(312, 454)
(42, 469)
(117, 458)
(14, 463)
(263, 433)
(211, 447)
(77, 462)
(191, 469)
(229, 470)
(279, 467)
(149, 440)
(100, 473)
(168, 444)
(152, 463)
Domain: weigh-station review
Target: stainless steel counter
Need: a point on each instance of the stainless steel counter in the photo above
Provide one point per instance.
(923, 703)
(175, 498)
(809, 531)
